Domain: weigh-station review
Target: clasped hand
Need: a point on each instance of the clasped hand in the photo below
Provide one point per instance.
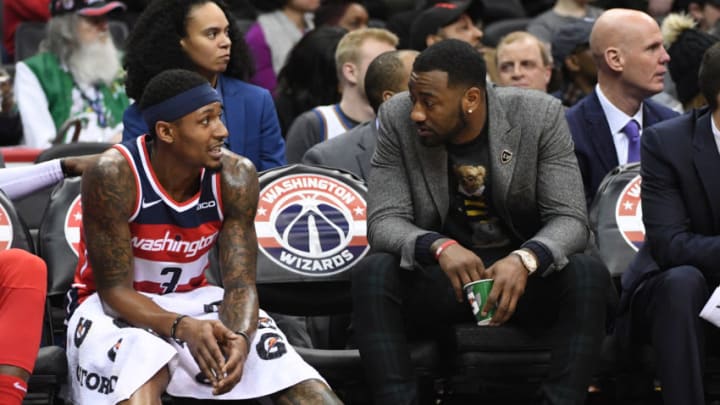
(218, 351)
(463, 266)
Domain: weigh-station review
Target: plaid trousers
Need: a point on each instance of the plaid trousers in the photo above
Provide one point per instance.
(390, 304)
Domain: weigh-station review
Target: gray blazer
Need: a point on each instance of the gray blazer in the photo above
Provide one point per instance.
(536, 183)
(351, 151)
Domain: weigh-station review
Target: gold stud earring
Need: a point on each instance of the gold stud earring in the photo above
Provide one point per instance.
(469, 111)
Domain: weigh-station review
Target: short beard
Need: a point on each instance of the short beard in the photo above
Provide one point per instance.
(95, 63)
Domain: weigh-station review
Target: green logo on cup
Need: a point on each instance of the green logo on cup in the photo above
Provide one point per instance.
(477, 294)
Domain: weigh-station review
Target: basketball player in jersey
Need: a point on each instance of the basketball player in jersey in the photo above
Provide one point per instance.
(143, 319)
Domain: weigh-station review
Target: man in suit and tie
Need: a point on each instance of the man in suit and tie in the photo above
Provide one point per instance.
(627, 47)
(671, 277)
(470, 182)
(387, 74)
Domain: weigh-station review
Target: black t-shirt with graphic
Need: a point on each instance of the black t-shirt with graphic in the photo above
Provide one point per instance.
(472, 219)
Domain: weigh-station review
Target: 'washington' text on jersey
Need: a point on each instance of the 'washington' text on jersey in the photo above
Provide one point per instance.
(169, 244)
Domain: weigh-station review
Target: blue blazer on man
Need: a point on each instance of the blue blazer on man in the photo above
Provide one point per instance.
(252, 123)
(594, 146)
(681, 200)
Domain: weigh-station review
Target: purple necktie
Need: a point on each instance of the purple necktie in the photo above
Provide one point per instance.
(632, 131)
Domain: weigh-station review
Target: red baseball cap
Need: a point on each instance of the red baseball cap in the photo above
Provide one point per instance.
(87, 8)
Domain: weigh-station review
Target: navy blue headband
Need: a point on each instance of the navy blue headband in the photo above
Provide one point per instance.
(180, 105)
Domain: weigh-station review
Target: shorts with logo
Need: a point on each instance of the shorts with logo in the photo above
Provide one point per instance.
(109, 360)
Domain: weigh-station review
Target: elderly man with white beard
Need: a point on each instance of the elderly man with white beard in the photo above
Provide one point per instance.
(77, 74)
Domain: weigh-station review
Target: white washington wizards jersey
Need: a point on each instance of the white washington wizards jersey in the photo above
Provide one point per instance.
(170, 240)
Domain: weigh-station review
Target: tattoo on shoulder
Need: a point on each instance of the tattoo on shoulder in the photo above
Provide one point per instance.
(240, 198)
(108, 195)
(240, 185)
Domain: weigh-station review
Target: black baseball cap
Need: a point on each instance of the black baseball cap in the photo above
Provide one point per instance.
(434, 18)
(87, 8)
(569, 37)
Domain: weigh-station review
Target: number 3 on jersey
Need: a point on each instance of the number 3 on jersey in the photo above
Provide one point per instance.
(174, 278)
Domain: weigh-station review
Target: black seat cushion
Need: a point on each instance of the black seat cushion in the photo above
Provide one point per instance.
(51, 360)
(470, 337)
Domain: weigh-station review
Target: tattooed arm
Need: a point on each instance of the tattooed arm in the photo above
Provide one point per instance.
(238, 257)
(108, 195)
(238, 245)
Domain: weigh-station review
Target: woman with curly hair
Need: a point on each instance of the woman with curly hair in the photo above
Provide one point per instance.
(201, 35)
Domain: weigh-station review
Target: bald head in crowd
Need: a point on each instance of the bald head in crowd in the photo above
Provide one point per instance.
(627, 46)
(606, 125)
(388, 74)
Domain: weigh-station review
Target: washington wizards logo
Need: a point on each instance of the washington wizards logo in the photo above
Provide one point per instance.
(73, 220)
(628, 214)
(6, 229)
(311, 224)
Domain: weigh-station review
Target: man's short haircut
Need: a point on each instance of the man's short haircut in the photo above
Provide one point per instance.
(463, 64)
(348, 49)
(708, 77)
(384, 73)
(516, 36)
(166, 85)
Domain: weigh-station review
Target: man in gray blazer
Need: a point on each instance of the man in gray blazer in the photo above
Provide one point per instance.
(468, 183)
(387, 74)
